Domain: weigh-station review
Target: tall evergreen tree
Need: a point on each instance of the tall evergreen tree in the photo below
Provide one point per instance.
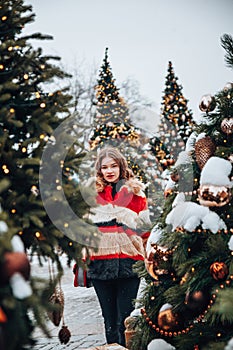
(112, 115)
(188, 301)
(110, 106)
(113, 125)
(30, 111)
(112, 122)
(176, 122)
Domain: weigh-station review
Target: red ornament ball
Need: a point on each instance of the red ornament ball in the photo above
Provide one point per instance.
(14, 262)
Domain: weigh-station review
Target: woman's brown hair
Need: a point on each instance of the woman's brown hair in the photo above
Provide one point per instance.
(114, 153)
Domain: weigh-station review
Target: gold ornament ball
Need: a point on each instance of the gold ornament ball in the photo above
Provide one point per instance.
(219, 271)
(167, 320)
(213, 195)
(207, 103)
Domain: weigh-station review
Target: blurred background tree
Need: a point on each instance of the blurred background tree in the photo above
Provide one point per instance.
(30, 111)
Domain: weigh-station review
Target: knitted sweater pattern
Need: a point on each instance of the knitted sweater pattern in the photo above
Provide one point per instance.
(119, 220)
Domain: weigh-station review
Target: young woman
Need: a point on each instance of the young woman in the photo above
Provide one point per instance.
(120, 214)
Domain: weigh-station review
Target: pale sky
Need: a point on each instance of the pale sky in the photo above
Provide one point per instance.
(142, 36)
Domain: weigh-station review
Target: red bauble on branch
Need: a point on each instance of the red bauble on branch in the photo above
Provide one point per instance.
(14, 262)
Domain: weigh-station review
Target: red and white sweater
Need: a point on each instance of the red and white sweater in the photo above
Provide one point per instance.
(120, 221)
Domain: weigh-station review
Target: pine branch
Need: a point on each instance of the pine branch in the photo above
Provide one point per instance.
(227, 44)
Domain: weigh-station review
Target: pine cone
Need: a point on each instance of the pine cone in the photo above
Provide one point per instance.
(204, 149)
(57, 299)
(64, 335)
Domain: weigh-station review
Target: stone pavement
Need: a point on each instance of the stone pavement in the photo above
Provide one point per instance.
(82, 315)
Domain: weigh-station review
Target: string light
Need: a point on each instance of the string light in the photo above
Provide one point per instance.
(37, 234)
(161, 254)
(199, 319)
(5, 169)
(34, 190)
(204, 231)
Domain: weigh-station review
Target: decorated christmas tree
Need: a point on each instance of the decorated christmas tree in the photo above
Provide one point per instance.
(176, 122)
(40, 154)
(112, 123)
(187, 303)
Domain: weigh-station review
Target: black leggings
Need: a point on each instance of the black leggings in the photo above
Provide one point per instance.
(116, 301)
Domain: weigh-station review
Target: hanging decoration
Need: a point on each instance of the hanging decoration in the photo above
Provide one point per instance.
(64, 335)
(215, 184)
(214, 196)
(57, 300)
(227, 125)
(57, 314)
(167, 319)
(204, 149)
(207, 103)
(196, 301)
(219, 271)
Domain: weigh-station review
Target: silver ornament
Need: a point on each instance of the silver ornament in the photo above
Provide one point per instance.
(227, 125)
(207, 103)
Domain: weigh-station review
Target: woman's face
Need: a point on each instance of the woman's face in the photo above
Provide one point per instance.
(110, 170)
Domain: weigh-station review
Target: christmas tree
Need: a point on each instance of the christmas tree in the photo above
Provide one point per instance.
(112, 123)
(176, 122)
(187, 303)
(40, 155)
